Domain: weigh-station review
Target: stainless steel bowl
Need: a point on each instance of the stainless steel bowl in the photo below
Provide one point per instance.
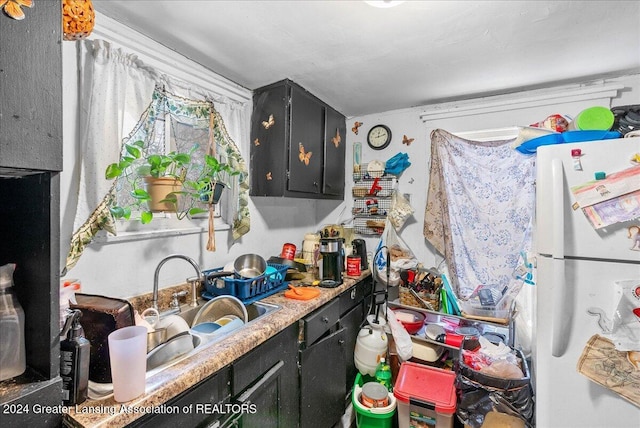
(156, 338)
(219, 307)
(250, 266)
(173, 348)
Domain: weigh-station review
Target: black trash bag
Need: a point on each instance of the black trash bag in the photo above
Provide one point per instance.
(479, 393)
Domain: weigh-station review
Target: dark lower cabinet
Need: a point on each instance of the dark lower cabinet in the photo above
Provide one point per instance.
(260, 405)
(350, 323)
(205, 404)
(322, 387)
(327, 368)
(264, 384)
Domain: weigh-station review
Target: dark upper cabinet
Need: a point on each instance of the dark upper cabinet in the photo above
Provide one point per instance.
(30, 158)
(297, 144)
(334, 153)
(31, 90)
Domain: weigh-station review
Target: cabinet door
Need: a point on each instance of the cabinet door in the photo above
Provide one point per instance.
(351, 322)
(269, 157)
(306, 142)
(261, 404)
(335, 141)
(277, 391)
(322, 387)
(208, 402)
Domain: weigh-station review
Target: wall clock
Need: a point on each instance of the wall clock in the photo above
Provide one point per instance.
(379, 137)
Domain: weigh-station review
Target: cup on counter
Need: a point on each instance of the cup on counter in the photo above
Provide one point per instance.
(128, 357)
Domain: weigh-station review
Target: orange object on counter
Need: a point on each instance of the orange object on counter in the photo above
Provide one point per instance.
(301, 293)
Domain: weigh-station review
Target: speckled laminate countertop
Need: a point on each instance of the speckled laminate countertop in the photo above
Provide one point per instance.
(175, 379)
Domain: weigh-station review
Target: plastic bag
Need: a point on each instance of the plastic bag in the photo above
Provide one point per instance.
(404, 345)
(625, 332)
(400, 210)
(397, 252)
(481, 393)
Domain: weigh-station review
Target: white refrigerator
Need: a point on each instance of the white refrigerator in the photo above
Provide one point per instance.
(577, 269)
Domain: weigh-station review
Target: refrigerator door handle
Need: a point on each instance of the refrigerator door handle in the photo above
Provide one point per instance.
(559, 333)
(557, 209)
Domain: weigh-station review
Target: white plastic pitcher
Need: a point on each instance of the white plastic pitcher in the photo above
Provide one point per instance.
(12, 348)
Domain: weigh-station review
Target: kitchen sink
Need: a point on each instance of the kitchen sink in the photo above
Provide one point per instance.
(255, 310)
(178, 348)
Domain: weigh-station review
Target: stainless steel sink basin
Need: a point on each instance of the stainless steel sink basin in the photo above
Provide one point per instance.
(177, 349)
(255, 311)
(174, 348)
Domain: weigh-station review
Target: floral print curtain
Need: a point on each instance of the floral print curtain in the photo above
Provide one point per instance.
(480, 206)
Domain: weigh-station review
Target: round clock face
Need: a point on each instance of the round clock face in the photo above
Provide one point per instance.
(379, 137)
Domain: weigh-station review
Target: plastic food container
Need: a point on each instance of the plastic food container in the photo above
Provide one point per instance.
(594, 119)
(425, 396)
(412, 321)
(371, 417)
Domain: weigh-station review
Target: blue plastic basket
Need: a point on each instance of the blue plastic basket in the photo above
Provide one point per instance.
(247, 290)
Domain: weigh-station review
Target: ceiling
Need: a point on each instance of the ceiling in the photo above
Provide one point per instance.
(362, 59)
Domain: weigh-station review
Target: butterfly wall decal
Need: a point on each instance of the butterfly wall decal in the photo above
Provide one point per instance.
(304, 157)
(256, 142)
(13, 8)
(406, 140)
(336, 140)
(356, 125)
(269, 176)
(268, 123)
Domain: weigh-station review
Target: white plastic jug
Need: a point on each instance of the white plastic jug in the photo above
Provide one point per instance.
(371, 345)
(12, 352)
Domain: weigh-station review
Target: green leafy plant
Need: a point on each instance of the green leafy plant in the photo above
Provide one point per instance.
(197, 180)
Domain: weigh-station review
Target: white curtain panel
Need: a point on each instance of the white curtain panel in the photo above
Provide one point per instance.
(115, 89)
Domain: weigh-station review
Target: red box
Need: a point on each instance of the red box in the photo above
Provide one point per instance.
(425, 395)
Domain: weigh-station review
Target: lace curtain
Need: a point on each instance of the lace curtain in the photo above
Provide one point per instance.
(119, 99)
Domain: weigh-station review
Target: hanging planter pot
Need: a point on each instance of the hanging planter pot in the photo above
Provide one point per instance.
(163, 192)
(212, 192)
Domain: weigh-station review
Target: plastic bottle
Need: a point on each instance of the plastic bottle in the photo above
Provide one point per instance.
(383, 374)
(12, 352)
(74, 361)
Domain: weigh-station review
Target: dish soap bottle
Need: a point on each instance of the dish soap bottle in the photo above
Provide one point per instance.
(74, 361)
(12, 352)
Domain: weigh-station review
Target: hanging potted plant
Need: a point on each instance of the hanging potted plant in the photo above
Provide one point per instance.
(174, 182)
(213, 180)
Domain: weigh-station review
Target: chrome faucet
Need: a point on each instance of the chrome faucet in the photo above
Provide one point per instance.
(192, 280)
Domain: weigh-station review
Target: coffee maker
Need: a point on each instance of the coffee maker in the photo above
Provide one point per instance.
(332, 252)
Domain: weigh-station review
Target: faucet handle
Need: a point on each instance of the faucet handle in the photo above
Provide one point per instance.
(175, 304)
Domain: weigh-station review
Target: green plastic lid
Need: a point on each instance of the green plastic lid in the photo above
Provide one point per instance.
(594, 118)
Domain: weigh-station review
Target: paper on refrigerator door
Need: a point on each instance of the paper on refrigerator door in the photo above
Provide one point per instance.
(614, 185)
(612, 200)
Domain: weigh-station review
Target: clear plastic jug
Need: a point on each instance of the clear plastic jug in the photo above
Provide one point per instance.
(12, 352)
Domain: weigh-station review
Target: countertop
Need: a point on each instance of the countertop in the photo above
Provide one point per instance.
(181, 376)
